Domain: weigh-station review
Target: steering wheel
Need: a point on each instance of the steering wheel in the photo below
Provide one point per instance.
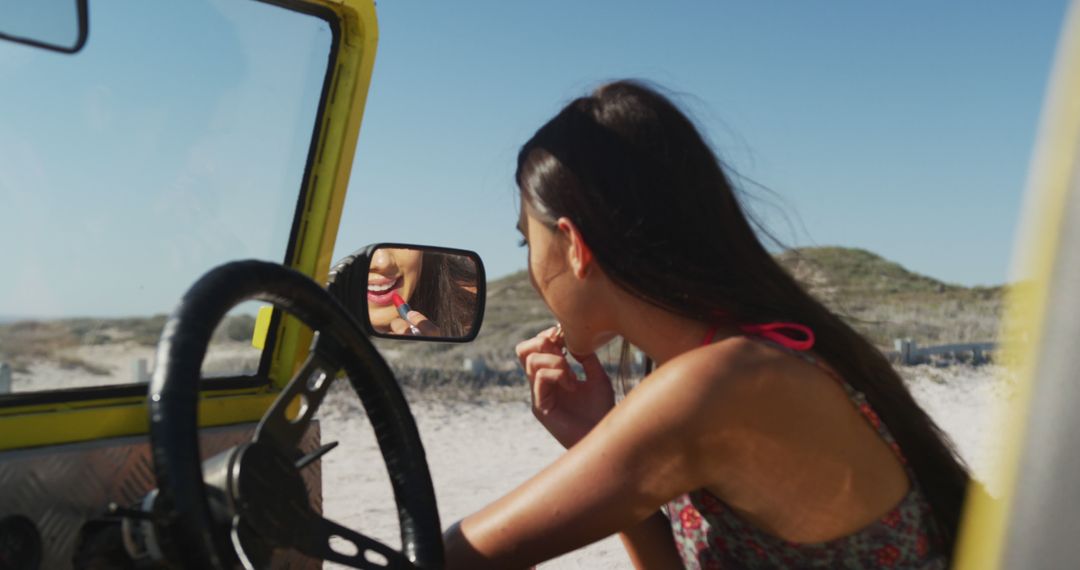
(253, 498)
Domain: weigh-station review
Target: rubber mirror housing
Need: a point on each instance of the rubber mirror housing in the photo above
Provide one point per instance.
(406, 291)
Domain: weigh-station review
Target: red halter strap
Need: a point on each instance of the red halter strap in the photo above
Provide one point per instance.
(803, 339)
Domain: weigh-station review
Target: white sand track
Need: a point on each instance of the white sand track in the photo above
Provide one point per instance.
(114, 363)
(478, 452)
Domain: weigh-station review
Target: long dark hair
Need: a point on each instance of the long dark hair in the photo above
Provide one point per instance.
(446, 292)
(664, 222)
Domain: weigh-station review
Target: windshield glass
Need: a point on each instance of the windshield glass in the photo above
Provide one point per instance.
(176, 140)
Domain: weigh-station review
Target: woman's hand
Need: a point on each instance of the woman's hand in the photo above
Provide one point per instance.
(566, 406)
(417, 319)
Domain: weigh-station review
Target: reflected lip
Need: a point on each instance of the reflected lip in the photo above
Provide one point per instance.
(385, 297)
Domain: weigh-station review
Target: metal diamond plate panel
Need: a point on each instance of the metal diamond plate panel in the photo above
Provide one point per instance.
(60, 488)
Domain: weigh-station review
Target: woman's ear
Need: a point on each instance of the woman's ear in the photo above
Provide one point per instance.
(578, 254)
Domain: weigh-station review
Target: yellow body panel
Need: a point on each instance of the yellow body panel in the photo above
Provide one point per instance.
(350, 77)
(1053, 166)
(118, 418)
(262, 327)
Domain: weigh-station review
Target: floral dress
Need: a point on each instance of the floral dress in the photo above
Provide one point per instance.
(710, 535)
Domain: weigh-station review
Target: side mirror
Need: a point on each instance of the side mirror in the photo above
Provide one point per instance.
(413, 292)
(58, 25)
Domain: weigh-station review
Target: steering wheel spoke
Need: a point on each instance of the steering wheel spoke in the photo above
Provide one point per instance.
(309, 385)
(333, 542)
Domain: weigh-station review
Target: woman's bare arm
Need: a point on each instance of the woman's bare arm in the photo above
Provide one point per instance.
(643, 453)
(650, 544)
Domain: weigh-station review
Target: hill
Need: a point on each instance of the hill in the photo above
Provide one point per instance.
(880, 298)
(885, 301)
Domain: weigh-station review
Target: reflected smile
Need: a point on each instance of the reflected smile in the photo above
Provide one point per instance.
(381, 290)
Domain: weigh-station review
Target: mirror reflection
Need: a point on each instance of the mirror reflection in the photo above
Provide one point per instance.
(420, 292)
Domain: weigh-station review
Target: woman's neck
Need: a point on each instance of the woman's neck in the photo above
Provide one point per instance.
(661, 334)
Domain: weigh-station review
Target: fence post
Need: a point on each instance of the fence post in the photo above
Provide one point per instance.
(474, 365)
(906, 350)
(141, 374)
(5, 378)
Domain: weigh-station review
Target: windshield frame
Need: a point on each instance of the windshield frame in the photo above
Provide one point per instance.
(120, 393)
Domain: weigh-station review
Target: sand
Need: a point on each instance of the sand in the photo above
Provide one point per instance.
(968, 403)
(478, 452)
(117, 363)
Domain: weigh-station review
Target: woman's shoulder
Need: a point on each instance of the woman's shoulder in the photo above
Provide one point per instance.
(746, 383)
(731, 366)
(707, 386)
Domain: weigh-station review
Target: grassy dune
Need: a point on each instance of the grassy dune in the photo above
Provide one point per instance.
(884, 301)
(880, 298)
(24, 342)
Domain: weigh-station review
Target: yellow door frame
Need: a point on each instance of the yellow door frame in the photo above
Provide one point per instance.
(328, 180)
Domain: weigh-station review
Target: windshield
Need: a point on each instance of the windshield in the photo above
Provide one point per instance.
(176, 140)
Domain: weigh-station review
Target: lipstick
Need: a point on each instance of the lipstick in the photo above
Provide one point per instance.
(559, 337)
(403, 311)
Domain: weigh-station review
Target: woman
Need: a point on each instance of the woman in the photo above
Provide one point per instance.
(439, 288)
(770, 435)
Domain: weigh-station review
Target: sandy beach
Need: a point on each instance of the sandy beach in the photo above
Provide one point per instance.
(117, 363)
(476, 453)
(479, 451)
(483, 442)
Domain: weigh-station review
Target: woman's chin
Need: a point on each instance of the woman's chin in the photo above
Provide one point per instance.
(586, 346)
(381, 328)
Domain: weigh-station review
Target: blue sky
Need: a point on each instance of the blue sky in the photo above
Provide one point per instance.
(130, 169)
(156, 153)
(904, 128)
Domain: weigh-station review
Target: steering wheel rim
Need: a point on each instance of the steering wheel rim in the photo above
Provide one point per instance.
(173, 399)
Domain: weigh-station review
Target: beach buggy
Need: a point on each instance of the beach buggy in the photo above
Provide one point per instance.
(146, 147)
